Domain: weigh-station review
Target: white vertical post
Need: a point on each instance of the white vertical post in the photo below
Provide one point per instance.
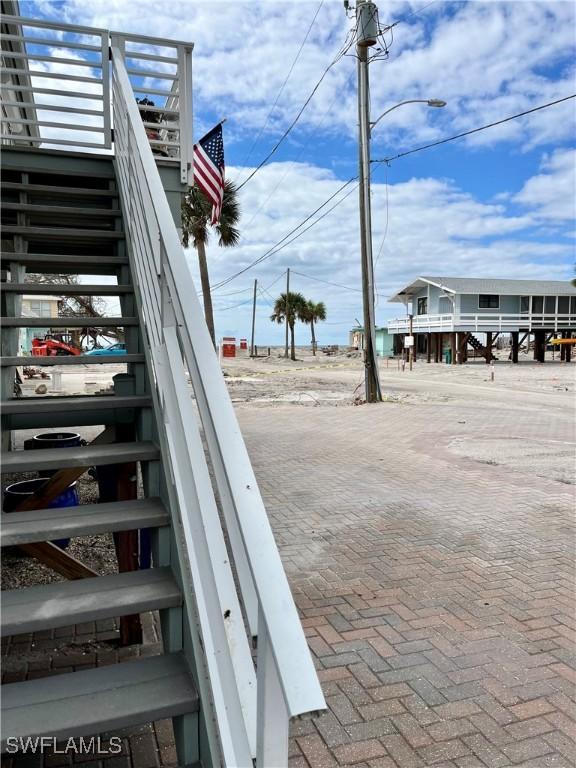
(272, 715)
(106, 103)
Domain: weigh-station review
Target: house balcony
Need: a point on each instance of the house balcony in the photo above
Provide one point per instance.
(482, 322)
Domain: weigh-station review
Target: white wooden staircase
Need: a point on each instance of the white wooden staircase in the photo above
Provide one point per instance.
(235, 667)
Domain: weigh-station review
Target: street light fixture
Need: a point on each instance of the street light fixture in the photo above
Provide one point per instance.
(366, 13)
(430, 102)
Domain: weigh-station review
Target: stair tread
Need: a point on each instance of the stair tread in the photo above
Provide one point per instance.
(40, 360)
(60, 209)
(61, 233)
(79, 456)
(56, 190)
(99, 700)
(72, 403)
(74, 602)
(67, 322)
(76, 261)
(66, 522)
(80, 289)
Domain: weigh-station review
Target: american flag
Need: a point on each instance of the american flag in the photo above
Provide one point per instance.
(209, 169)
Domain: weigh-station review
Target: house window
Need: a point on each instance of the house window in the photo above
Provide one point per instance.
(563, 305)
(423, 305)
(537, 305)
(573, 305)
(550, 305)
(488, 301)
(41, 308)
(524, 303)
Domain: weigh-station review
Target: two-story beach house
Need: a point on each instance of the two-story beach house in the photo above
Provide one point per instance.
(449, 311)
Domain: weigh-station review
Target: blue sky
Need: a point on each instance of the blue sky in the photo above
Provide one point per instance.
(499, 203)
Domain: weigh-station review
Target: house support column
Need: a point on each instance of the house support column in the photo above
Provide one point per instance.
(540, 346)
(415, 347)
(488, 347)
(453, 348)
(568, 348)
(514, 346)
(440, 338)
(563, 347)
(428, 349)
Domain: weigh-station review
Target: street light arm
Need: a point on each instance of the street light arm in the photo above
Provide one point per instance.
(430, 102)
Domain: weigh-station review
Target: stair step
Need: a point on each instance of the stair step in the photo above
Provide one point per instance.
(66, 603)
(67, 522)
(62, 289)
(61, 209)
(80, 456)
(51, 412)
(98, 700)
(67, 322)
(50, 263)
(38, 361)
(55, 170)
(36, 405)
(61, 233)
(53, 190)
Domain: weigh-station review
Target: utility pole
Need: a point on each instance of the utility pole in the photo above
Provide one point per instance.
(411, 347)
(287, 310)
(253, 319)
(367, 33)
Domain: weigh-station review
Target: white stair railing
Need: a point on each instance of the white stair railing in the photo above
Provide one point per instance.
(252, 703)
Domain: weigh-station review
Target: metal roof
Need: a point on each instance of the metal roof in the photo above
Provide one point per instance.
(488, 285)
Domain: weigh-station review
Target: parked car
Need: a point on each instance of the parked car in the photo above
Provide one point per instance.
(115, 349)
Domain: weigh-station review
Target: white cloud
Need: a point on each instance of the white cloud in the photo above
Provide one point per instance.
(433, 226)
(486, 59)
(552, 194)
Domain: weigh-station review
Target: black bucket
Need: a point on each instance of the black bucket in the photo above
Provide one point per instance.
(53, 440)
(16, 493)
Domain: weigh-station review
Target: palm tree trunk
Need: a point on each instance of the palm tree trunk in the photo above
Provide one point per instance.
(292, 347)
(207, 296)
(313, 337)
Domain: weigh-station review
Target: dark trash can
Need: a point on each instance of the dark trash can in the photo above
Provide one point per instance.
(17, 492)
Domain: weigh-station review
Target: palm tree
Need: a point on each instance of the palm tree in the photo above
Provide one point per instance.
(289, 307)
(196, 213)
(312, 312)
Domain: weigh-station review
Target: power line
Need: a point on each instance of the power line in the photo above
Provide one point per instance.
(475, 130)
(281, 244)
(328, 282)
(274, 248)
(282, 86)
(347, 45)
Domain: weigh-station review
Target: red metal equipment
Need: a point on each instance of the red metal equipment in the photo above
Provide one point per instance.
(54, 344)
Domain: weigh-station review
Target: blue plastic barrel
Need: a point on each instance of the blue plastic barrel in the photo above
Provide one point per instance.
(16, 493)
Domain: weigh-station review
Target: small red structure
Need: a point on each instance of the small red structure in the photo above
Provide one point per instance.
(243, 344)
(228, 346)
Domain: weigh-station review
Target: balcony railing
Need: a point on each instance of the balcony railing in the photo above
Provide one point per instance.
(56, 88)
(481, 322)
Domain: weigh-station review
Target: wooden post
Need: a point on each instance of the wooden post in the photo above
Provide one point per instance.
(514, 339)
(428, 350)
(415, 355)
(568, 353)
(488, 347)
(563, 347)
(453, 348)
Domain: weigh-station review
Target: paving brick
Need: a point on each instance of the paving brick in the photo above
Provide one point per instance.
(450, 729)
(316, 752)
(527, 749)
(359, 752)
(411, 729)
(532, 709)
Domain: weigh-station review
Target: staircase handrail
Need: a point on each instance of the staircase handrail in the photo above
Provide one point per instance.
(287, 684)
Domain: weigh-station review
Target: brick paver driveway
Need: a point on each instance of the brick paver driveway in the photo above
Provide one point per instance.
(436, 591)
